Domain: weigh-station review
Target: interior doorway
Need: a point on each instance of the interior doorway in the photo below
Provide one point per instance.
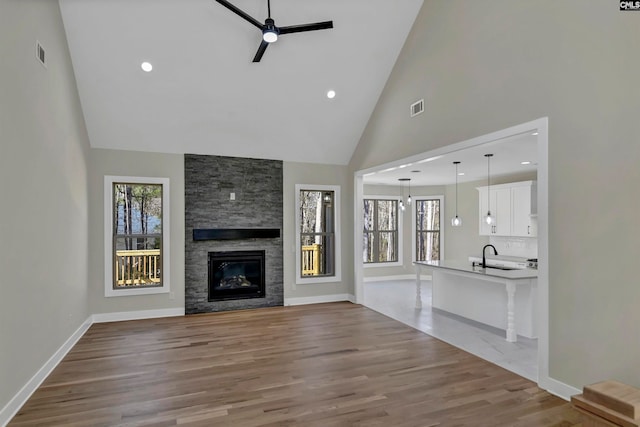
(539, 127)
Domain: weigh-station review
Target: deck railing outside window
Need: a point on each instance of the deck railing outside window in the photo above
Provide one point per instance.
(311, 260)
(137, 267)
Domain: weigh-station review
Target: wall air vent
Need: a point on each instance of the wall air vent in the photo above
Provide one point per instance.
(417, 108)
(40, 54)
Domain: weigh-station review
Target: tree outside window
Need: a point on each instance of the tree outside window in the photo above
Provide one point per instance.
(317, 233)
(137, 235)
(428, 233)
(380, 234)
(137, 246)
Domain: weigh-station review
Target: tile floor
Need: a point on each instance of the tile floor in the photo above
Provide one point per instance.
(397, 299)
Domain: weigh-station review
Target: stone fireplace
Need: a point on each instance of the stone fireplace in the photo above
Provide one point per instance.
(233, 242)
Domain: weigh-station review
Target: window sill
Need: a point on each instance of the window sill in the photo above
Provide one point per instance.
(315, 280)
(382, 264)
(135, 291)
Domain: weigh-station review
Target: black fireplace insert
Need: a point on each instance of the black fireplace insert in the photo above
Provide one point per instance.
(236, 275)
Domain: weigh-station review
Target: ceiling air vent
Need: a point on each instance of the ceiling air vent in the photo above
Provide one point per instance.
(40, 54)
(417, 108)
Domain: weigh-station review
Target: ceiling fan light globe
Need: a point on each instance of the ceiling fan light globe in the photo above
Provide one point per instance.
(269, 36)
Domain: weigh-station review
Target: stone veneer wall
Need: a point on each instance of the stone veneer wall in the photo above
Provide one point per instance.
(257, 184)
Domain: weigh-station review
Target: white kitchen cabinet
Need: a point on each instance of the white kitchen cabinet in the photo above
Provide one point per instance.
(523, 210)
(500, 206)
(513, 207)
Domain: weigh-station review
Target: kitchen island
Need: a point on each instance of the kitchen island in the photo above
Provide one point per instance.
(504, 299)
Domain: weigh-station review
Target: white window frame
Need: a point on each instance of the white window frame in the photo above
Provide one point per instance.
(337, 277)
(109, 180)
(400, 216)
(413, 224)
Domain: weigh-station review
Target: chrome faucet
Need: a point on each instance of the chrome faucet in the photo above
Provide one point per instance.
(484, 259)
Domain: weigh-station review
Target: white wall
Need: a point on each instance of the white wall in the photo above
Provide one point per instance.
(485, 66)
(43, 191)
(463, 241)
(307, 173)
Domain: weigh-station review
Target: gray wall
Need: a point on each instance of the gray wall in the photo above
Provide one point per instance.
(485, 66)
(133, 163)
(307, 173)
(43, 189)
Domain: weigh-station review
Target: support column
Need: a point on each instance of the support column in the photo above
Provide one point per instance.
(512, 335)
(418, 288)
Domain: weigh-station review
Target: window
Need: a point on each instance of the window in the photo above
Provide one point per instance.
(136, 235)
(318, 234)
(428, 235)
(381, 231)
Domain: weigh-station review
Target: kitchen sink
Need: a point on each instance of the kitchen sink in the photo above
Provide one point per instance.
(497, 267)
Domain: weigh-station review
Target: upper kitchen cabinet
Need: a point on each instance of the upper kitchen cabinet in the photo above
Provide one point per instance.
(524, 202)
(514, 207)
(499, 203)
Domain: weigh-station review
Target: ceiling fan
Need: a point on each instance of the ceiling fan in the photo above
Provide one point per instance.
(270, 31)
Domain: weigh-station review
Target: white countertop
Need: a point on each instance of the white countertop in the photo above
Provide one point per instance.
(465, 266)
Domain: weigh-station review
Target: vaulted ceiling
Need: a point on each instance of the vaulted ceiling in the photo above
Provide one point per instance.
(206, 96)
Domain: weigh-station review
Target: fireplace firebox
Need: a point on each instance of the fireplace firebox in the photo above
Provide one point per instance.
(236, 275)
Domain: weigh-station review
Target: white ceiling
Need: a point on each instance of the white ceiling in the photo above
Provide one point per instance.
(508, 155)
(205, 95)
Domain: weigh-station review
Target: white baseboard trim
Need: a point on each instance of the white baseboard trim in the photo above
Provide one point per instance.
(137, 315)
(398, 277)
(319, 299)
(14, 405)
(558, 388)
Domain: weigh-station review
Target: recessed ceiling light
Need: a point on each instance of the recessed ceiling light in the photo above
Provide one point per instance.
(146, 66)
(535, 133)
(331, 94)
(525, 163)
(461, 174)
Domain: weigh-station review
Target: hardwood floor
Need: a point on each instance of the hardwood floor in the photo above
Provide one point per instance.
(333, 364)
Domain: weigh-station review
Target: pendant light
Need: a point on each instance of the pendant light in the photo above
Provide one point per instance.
(456, 221)
(408, 198)
(488, 218)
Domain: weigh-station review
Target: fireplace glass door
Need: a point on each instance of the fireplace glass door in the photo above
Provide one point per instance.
(236, 275)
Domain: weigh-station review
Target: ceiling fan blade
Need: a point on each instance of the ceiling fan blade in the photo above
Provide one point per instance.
(240, 13)
(260, 52)
(306, 27)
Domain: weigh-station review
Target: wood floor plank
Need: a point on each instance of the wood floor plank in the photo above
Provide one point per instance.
(334, 364)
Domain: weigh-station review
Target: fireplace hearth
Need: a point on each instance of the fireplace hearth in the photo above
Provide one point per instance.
(236, 275)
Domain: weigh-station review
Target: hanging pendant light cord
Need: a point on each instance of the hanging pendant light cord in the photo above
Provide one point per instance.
(457, 189)
(489, 219)
(489, 181)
